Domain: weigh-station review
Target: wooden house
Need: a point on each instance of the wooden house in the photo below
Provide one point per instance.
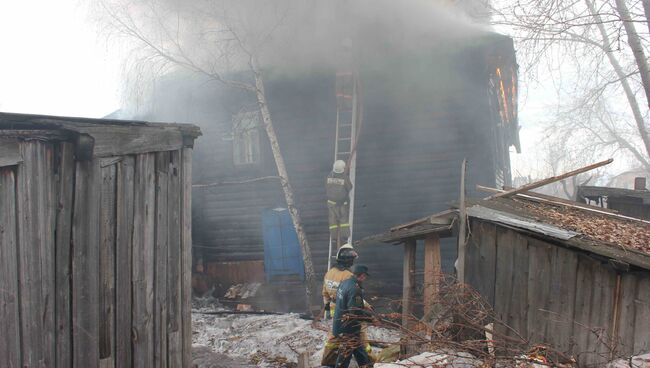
(572, 276)
(95, 242)
(423, 111)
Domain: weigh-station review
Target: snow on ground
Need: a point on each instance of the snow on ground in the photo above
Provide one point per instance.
(440, 359)
(267, 340)
(639, 361)
(242, 336)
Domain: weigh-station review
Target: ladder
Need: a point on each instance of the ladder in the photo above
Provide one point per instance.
(345, 116)
(345, 139)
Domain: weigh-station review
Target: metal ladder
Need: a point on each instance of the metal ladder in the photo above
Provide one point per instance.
(346, 131)
(345, 115)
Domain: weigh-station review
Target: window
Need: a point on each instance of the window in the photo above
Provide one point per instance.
(246, 134)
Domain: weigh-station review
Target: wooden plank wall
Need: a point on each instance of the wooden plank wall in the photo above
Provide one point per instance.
(95, 259)
(550, 294)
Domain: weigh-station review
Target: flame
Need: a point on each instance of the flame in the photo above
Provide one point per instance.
(503, 96)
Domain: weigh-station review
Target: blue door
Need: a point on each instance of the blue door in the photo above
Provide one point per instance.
(282, 255)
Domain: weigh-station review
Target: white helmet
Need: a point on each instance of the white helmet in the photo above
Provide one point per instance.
(346, 255)
(339, 166)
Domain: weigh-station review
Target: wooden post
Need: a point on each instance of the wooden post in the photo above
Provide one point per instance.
(432, 271)
(460, 262)
(408, 286)
(303, 360)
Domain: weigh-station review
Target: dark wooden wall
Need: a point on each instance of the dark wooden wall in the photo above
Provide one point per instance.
(95, 258)
(553, 295)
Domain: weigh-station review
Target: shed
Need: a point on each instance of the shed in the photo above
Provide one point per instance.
(574, 276)
(630, 202)
(95, 242)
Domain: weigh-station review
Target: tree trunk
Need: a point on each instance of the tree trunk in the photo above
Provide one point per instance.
(635, 44)
(629, 94)
(286, 185)
(646, 10)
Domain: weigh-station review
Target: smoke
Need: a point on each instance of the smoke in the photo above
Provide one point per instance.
(220, 36)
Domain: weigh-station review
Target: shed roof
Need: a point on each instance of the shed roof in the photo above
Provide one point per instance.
(99, 137)
(607, 234)
(586, 191)
(580, 226)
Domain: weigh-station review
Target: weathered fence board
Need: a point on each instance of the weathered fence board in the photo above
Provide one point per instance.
(564, 265)
(642, 320)
(539, 297)
(487, 253)
(584, 291)
(63, 305)
(10, 355)
(161, 272)
(143, 270)
(626, 323)
(511, 282)
(600, 320)
(186, 246)
(174, 262)
(85, 264)
(33, 214)
(123, 270)
(107, 225)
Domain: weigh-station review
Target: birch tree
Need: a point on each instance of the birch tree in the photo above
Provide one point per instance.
(216, 39)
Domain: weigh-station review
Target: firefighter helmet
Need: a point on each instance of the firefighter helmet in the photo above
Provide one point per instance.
(346, 255)
(339, 166)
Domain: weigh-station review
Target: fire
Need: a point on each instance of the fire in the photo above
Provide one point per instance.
(503, 97)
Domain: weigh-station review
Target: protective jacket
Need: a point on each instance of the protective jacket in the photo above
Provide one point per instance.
(349, 310)
(338, 188)
(333, 278)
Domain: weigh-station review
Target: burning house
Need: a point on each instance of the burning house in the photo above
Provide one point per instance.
(416, 114)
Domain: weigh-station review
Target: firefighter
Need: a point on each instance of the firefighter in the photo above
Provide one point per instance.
(345, 258)
(338, 189)
(350, 311)
(340, 272)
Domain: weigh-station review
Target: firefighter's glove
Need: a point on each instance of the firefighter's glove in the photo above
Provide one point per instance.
(328, 314)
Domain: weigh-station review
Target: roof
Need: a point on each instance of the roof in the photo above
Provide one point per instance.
(585, 191)
(99, 137)
(575, 225)
(608, 234)
(441, 223)
(411, 233)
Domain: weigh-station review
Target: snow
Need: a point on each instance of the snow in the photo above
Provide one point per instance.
(639, 361)
(251, 337)
(440, 359)
(242, 336)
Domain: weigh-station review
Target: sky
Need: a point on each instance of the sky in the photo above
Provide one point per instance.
(53, 62)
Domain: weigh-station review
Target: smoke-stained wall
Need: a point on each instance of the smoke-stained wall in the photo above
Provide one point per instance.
(424, 111)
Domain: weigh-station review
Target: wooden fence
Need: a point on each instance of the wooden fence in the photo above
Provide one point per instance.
(568, 299)
(95, 254)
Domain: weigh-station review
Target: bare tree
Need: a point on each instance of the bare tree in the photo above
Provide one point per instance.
(216, 39)
(595, 55)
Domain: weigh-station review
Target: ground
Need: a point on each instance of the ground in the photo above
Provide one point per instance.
(230, 340)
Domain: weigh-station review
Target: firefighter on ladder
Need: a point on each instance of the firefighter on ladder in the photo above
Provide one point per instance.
(338, 189)
(345, 258)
